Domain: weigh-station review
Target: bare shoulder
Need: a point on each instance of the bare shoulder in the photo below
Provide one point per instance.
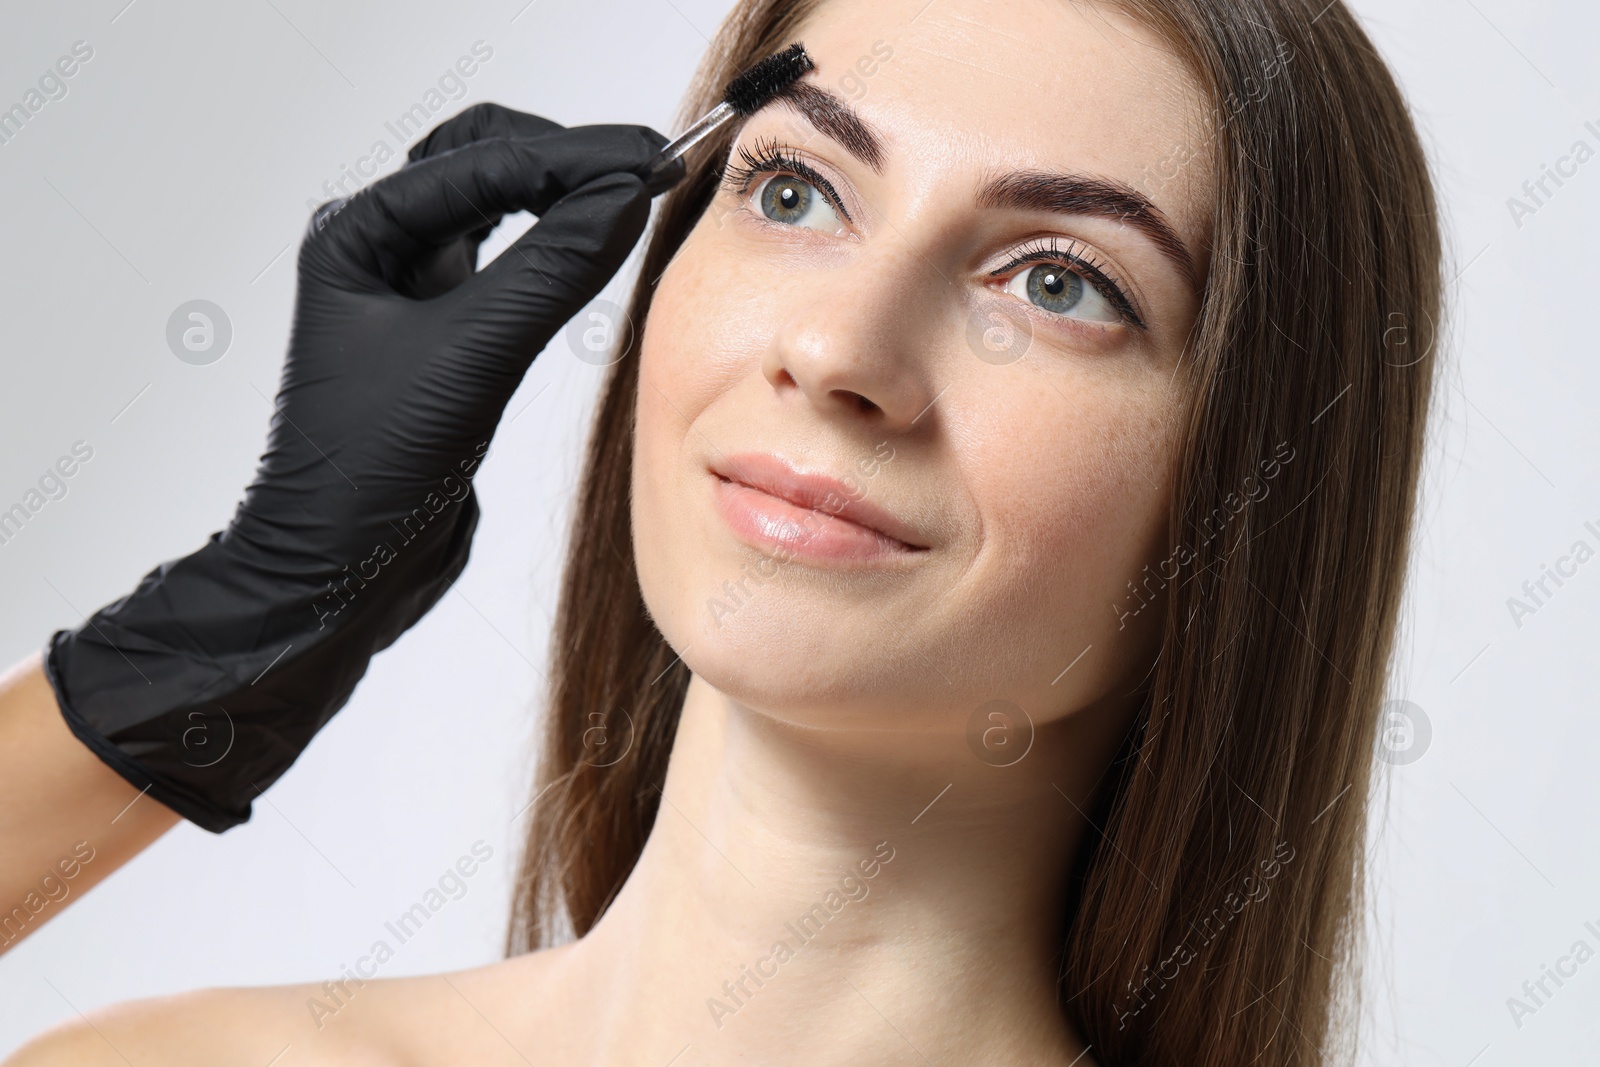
(205, 1026)
(483, 1014)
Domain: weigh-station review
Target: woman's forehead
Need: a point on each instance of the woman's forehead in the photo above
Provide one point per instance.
(984, 86)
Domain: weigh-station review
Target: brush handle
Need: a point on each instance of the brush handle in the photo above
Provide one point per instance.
(702, 129)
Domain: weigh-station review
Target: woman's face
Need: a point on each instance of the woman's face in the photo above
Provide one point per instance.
(968, 310)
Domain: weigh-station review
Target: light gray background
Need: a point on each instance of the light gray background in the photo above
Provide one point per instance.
(178, 167)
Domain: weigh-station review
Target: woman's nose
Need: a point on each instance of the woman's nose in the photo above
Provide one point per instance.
(864, 339)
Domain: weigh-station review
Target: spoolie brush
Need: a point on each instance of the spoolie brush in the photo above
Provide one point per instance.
(744, 96)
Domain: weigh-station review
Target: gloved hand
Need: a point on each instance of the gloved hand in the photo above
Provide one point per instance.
(207, 681)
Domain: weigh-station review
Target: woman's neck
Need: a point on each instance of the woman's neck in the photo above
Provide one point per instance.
(814, 896)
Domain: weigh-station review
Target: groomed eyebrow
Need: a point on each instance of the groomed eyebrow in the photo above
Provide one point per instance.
(832, 116)
(1069, 194)
(1076, 194)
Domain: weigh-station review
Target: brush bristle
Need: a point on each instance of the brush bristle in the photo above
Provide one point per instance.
(755, 88)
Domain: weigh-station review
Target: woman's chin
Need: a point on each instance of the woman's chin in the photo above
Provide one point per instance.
(810, 677)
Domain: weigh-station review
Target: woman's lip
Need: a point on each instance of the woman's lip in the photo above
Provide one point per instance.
(775, 524)
(765, 499)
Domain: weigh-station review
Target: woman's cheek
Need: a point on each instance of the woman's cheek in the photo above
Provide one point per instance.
(703, 332)
(689, 359)
(1078, 511)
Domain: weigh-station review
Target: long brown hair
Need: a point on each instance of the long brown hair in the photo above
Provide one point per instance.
(1216, 918)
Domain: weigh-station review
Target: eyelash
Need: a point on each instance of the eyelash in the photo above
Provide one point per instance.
(1074, 257)
(770, 156)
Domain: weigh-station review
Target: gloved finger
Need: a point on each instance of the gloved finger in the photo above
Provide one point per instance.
(399, 220)
(478, 123)
(519, 301)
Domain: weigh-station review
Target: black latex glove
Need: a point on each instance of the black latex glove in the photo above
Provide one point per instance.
(207, 681)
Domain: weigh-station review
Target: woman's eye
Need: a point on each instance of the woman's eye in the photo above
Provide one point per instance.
(1064, 292)
(795, 202)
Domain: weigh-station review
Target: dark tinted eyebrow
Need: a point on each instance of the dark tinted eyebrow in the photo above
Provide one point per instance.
(1071, 194)
(831, 115)
(1075, 194)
